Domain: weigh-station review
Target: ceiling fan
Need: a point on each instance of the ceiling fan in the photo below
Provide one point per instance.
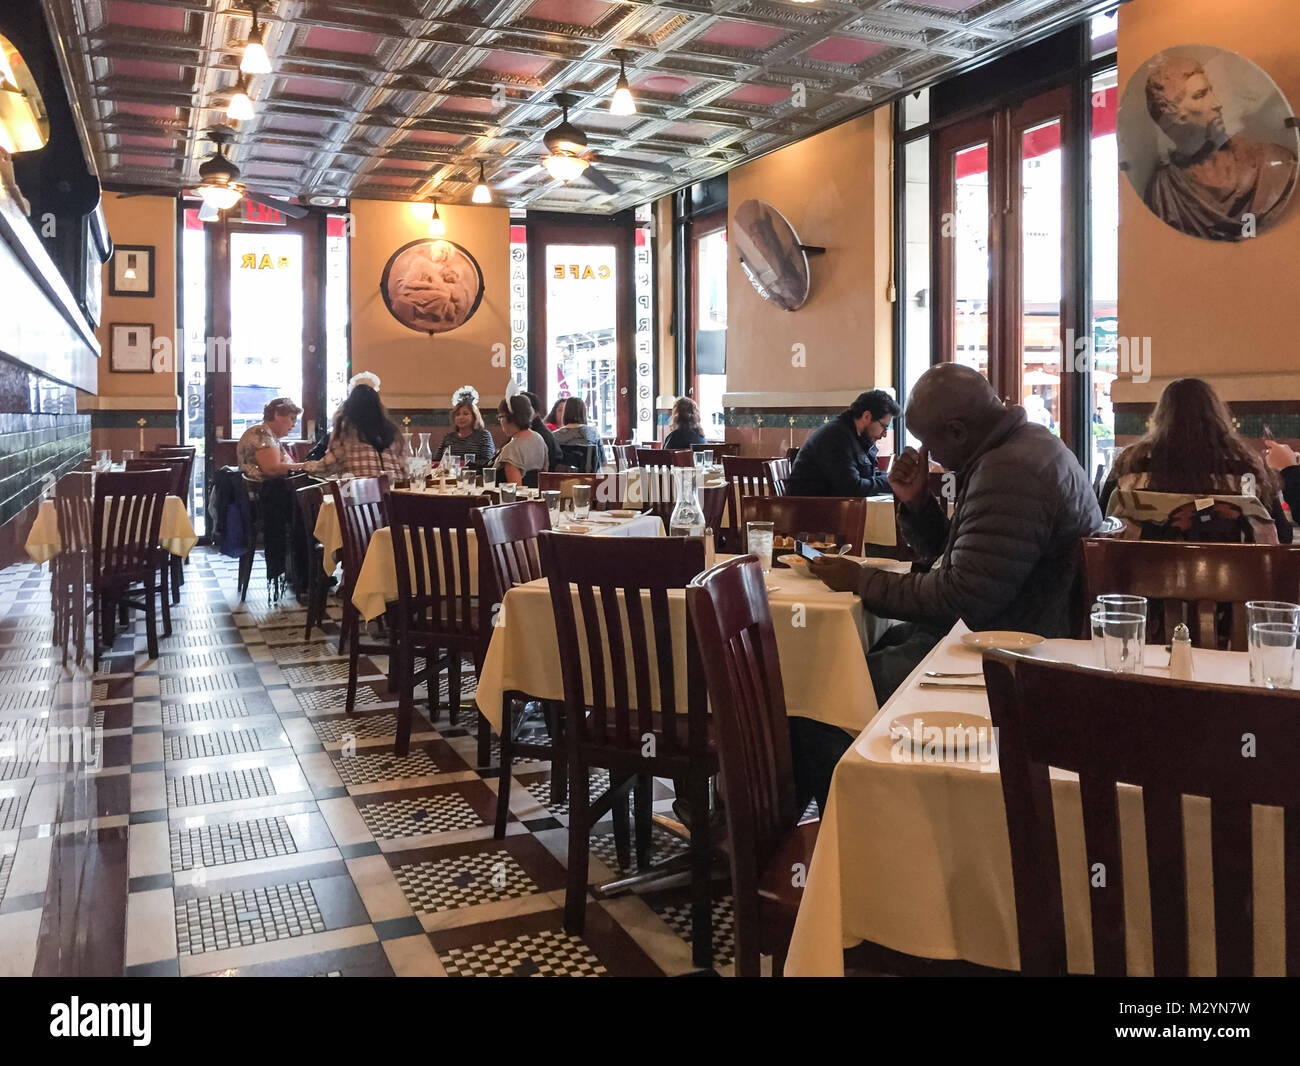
(219, 185)
(569, 158)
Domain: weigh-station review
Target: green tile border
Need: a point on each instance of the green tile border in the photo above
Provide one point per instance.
(1283, 424)
(131, 419)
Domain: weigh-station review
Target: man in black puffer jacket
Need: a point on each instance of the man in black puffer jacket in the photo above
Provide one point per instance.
(839, 458)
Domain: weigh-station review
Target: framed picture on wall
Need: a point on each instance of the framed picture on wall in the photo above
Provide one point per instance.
(130, 347)
(131, 271)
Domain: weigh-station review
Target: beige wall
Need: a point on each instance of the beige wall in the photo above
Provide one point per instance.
(1225, 312)
(416, 370)
(835, 190)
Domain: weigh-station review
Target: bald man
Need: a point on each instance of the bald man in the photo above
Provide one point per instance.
(1008, 557)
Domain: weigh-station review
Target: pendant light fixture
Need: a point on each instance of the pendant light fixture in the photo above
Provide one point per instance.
(482, 194)
(565, 143)
(622, 102)
(240, 108)
(437, 228)
(255, 60)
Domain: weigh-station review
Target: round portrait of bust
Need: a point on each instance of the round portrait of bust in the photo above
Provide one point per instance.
(432, 286)
(1207, 141)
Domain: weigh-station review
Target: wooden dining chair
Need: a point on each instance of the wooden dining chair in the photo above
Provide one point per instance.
(809, 517)
(766, 840)
(1210, 582)
(778, 470)
(791, 454)
(360, 504)
(179, 465)
(70, 569)
(509, 555)
(659, 457)
(1122, 728)
(746, 476)
(621, 727)
(436, 611)
(309, 499)
(125, 552)
(624, 456)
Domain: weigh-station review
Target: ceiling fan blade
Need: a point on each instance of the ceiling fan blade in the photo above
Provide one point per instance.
(638, 164)
(155, 191)
(209, 213)
(599, 180)
(283, 206)
(516, 179)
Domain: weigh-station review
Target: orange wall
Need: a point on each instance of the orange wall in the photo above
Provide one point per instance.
(1225, 312)
(416, 370)
(834, 188)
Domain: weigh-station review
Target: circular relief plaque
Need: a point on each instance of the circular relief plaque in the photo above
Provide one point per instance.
(432, 285)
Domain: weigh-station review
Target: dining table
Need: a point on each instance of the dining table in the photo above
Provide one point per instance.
(913, 852)
(175, 532)
(821, 637)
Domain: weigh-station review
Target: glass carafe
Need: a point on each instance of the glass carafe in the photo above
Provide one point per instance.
(687, 518)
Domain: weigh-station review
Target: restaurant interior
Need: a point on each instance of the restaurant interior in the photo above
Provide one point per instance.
(497, 488)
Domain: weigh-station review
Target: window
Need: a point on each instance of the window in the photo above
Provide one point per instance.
(338, 362)
(194, 322)
(582, 330)
(710, 335)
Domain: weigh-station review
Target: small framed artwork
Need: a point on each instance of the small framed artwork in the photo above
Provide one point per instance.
(130, 347)
(131, 271)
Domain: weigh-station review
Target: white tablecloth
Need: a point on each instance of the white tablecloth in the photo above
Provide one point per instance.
(915, 857)
(821, 638)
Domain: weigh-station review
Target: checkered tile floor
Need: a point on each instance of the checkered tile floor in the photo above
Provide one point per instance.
(247, 824)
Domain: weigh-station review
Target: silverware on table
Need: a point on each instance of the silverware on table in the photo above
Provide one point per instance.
(938, 673)
(954, 686)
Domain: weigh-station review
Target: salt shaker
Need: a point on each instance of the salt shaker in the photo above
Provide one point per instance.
(1180, 654)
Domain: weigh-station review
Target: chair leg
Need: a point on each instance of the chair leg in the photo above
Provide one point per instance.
(555, 727)
(503, 780)
(164, 574)
(485, 738)
(622, 825)
(354, 655)
(575, 892)
(701, 880)
(178, 577)
(643, 810)
(453, 686)
(405, 710)
(95, 607)
(245, 573)
(150, 616)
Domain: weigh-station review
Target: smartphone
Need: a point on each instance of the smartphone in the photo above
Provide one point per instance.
(1268, 433)
(809, 552)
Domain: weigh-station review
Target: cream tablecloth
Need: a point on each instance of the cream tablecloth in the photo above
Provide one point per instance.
(821, 638)
(915, 857)
(175, 533)
(377, 582)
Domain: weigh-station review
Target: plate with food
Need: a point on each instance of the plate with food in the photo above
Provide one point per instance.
(1001, 640)
(798, 566)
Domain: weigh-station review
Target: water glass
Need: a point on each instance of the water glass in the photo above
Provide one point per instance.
(552, 498)
(704, 459)
(1114, 601)
(465, 478)
(1098, 641)
(127, 455)
(1272, 654)
(507, 491)
(489, 477)
(581, 502)
(1123, 635)
(1262, 611)
(758, 539)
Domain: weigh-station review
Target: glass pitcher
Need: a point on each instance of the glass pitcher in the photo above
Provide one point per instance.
(687, 518)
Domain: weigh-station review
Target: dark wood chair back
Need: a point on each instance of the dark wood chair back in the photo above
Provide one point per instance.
(732, 621)
(361, 506)
(623, 666)
(658, 457)
(127, 517)
(177, 465)
(582, 457)
(310, 498)
(777, 472)
(434, 572)
(1054, 715)
(172, 451)
(746, 476)
(841, 518)
(624, 456)
(73, 509)
(1212, 582)
(792, 454)
(507, 546)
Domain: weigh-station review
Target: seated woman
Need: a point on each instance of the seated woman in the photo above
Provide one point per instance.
(468, 437)
(684, 424)
(525, 453)
(1192, 447)
(259, 453)
(552, 421)
(364, 441)
(1284, 459)
(576, 430)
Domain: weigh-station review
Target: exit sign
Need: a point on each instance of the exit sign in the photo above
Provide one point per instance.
(259, 213)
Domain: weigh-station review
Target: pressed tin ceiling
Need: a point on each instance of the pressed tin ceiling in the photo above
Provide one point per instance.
(399, 99)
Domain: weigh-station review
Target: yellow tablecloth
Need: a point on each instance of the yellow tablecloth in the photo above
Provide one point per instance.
(377, 583)
(880, 527)
(915, 856)
(821, 637)
(175, 533)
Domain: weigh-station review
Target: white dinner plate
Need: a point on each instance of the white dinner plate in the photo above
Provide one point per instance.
(622, 514)
(1002, 640)
(575, 529)
(916, 730)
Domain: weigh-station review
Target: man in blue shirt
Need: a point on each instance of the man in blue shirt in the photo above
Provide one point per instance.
(839, 459)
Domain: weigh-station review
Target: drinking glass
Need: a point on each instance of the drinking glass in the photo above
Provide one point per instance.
(1272, 653)
(758, 538)
(1261, 611)
(465, 477)
(704, 459)
(552, 498)
(127, 456)
(103, 461)
(1123, 635)
(581, 502)
(507, 490)
(1098, 642)
(489, 477)
(1114, 601)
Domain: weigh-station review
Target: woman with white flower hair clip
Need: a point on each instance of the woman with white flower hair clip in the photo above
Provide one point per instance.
(364, 378)
(468, 438)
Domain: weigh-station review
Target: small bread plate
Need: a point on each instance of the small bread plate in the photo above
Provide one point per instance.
(956, 733)
(575, 528)
(622, 514)
(1002, 640)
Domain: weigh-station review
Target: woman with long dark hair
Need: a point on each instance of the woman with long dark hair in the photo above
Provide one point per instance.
(576, 429)
(1193, 447)
(684, 424)
(365, 441)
